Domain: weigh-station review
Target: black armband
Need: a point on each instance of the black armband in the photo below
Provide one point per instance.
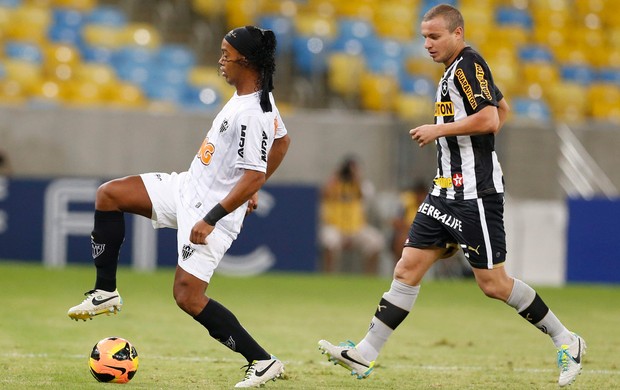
(215, 214)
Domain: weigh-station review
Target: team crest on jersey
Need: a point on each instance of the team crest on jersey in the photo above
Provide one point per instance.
(224, 126)
(457, 179)
(444, 87)
(187, 252)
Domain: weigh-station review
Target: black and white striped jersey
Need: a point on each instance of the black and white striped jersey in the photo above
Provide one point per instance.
(467, 166)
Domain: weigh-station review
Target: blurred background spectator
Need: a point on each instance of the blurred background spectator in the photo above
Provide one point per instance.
(345, 199)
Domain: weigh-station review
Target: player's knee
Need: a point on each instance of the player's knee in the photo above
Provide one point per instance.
(494, 290)
(105, 197)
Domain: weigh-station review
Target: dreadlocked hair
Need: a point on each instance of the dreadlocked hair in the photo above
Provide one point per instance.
(264, 61)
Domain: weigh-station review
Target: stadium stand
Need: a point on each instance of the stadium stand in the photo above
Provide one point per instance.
(556, 59)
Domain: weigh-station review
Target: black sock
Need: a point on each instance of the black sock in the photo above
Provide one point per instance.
(106, 240)
(225, 328)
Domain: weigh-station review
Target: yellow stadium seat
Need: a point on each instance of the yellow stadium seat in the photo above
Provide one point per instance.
(241, 12)
(604, 101)
(79, 5)
(413, 107)
(344, 72)
(29, 23)
(395, 20)
(543, 73)
(26, 73)
(315, 25)
(12, 92)
(360, 9)
(201, 76)
(84, 94)
(209, 8)
(59, 60)
(568, 101)
(378, 92)
(49, 91)
(105, 36)
(126, 96)
(141, 34)
(100, 74)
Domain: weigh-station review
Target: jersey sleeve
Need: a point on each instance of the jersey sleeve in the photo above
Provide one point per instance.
(255, 140)
(474, 80)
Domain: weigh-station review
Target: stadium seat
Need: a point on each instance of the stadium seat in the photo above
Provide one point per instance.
(241, 12)
(344, 74)
(102, 36)
(283, 29)
(538, 53)
(413, 107)
(24, 51)
(378, 92)
(175, 56)
(29, 23)
(417, 85)
(395, 20)
(26, 73)
(200, 99)
(126, 96)
(10, 3)
(310, 54)
(78, 5)
(568, 101)
(533, 109)
(207, 76)
(141, 34)
(107, 15)
(580, 74)
(66, 25)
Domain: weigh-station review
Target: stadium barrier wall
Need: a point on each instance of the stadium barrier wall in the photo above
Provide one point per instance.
(51, 221)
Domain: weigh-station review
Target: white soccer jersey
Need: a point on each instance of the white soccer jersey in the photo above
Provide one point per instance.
(467, 166)
(240, 138)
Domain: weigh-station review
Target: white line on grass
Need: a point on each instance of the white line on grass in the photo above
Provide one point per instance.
(300, 363)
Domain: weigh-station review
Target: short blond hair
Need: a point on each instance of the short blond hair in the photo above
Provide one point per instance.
(452, 16)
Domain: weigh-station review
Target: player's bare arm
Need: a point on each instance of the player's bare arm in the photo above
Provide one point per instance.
(502, 110)
(483, 122)
(276, 154)
(246, 187)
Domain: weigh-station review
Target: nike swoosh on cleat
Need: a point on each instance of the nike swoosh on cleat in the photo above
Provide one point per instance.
(262, 372)
(121, 369)
(577, 358)
(345, 355)
(98, 302)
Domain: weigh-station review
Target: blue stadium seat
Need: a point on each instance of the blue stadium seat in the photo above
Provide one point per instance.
(10, 3)
(107, 15)
(175, 56)
(355, 29)
(609, 75)
(385, 56)
(283, 28)
(23, 51)
(581, 74)
(535, 53)
(98, 54)
(310, 54)
(512, 16)
(201, 98)
(531, 109)
(417, 85)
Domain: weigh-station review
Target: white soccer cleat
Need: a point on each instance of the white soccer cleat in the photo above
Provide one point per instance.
(570, 358)
(348, 357)
(96, 302)
(260, 371)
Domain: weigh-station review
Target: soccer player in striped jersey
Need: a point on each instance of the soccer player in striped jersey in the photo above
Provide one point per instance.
(246, 143)
(464, 208)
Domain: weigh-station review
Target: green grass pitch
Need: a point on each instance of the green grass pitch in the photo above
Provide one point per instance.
(455, 338)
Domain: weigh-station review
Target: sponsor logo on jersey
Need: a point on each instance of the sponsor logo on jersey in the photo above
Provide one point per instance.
(187, 252)
(444, 109)
(484, 84)
(469, 93)
(447, 219)
(224, 126)
(443, 182)
(263, 148)
(98, 249)
(242, 141)
(457, 179)
(206, 151)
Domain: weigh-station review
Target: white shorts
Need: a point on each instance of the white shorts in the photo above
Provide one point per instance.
(198, 260)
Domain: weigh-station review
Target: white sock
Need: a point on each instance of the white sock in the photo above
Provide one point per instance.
(392, 310)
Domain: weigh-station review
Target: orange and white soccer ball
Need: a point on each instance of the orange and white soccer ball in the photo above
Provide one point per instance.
(113, 359)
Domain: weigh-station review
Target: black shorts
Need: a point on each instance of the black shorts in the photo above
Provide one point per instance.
(476, 225)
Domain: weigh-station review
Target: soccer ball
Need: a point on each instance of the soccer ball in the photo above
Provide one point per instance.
(113, 359)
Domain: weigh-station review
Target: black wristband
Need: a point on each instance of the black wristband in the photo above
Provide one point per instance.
(215, 214)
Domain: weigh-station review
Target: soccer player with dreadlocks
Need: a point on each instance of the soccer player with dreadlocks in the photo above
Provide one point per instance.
(207, 203)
